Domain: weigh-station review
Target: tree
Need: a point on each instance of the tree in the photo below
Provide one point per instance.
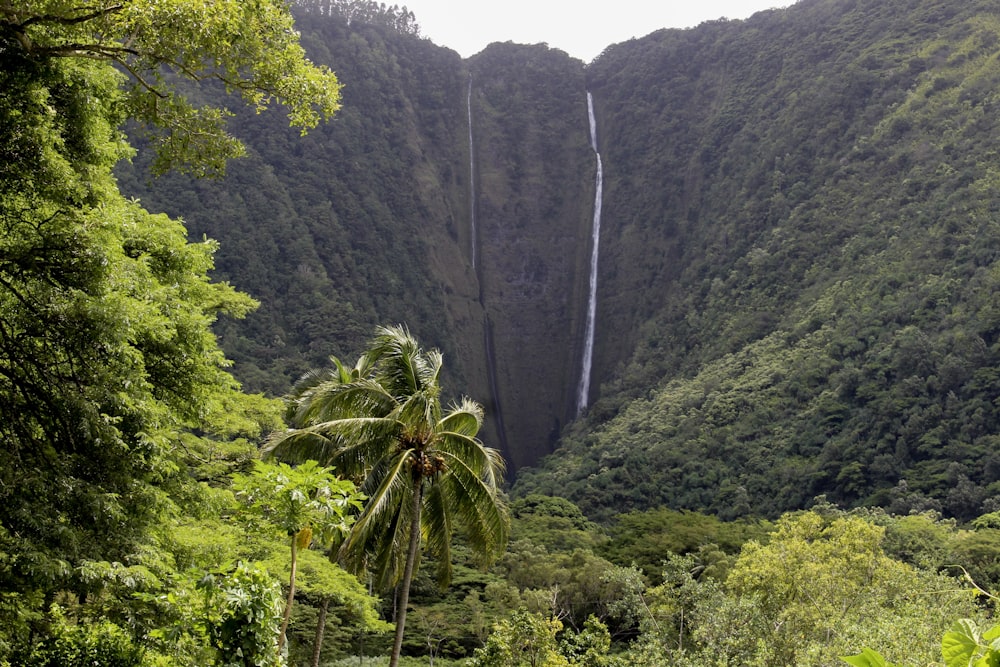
(324, 582)
(244, 625)
(101, 643)
(823, 585)
(523, 640)
(111, 379)
(307, 502)
(251, 48)
(588, 648)
(423, 470)
(367, 11)
(106, 347)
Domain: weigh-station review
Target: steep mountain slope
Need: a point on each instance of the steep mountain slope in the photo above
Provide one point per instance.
(534, 196)
(366, 221)
(811, 203)
(335, 231)
(798, 254)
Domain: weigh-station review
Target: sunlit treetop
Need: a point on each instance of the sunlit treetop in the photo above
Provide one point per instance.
(250, 46)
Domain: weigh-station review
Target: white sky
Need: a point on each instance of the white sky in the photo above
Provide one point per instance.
(582, 28)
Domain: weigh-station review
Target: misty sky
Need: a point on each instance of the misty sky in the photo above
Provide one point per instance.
(582, 28)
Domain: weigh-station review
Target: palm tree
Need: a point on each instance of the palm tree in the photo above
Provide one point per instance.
(422, 468)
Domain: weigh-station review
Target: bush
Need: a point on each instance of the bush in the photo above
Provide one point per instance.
(96, 644)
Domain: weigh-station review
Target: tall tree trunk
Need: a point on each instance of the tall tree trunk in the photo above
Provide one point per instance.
(320, 629)
(404, 586)
(291, 592)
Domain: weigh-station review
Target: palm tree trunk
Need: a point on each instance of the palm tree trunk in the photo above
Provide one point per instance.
(320, 628)
(404, 586)
(291, 592)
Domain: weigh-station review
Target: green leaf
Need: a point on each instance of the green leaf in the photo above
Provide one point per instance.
(992, 634)
(960, 643)
(989, 659)
(867, 658)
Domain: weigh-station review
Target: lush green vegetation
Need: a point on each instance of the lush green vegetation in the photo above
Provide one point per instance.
(810, 266)
(366, 221)
(796, 275)
(121, 541)
(810, 588)
(313, 222)
(797, 311)
(424, 471)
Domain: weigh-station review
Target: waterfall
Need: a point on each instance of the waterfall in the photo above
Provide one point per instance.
(491, 362)
(491, 372)
(472, 180)
(588, 344)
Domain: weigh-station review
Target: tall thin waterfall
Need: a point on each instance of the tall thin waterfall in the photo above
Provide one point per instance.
(588, 345)
(472, 181)
(491, 362)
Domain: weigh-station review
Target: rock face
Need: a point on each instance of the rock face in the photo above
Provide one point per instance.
(755, 172)
(534, 197)
(368, 220)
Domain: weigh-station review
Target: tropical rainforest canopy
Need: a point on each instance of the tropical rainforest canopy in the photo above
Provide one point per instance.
(797, 255)
(789, 452)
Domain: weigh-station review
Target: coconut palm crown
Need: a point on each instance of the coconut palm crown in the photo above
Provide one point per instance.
(423, 470)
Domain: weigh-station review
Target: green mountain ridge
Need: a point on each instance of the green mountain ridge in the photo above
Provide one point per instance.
(827, 322)
(798, 254)
(366, 220)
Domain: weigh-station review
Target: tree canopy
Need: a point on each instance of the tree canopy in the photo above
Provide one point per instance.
(115, 397)
(421, 466)
(251, 48)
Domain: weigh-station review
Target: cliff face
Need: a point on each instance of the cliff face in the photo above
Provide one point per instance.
(534, 196)
(369, 220)
(800, 225)
(759, 175)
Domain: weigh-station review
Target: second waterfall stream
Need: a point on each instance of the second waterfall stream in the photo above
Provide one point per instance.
(588, 344)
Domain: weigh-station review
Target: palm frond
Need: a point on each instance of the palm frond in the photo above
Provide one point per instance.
(485, 462)
(419, 410)
(331, 400)
(465, 418)
(303, 387)
(403, 367)
(297, 446)
(477, 508)
(361, 442)
(437, 532)
(311, 378)
(361, 369)
(432, 368)
(388, 552)
(381, 530)
(495, 468)
(382, 557)
(396, 355)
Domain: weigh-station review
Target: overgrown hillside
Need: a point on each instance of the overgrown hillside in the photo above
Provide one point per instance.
(367, 220)
(336, 231)
(798, 250)
(797, 297)
(802, 228)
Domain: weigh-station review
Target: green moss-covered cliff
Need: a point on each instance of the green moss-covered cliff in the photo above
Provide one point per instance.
(798, 253)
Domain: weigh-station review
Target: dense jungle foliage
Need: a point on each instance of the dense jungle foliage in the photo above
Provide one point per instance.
(807, 220)
(792, 456)
(325, 229)
(795, 291)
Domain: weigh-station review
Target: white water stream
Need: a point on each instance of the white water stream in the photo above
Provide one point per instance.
(472, 181)
(583, 394)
